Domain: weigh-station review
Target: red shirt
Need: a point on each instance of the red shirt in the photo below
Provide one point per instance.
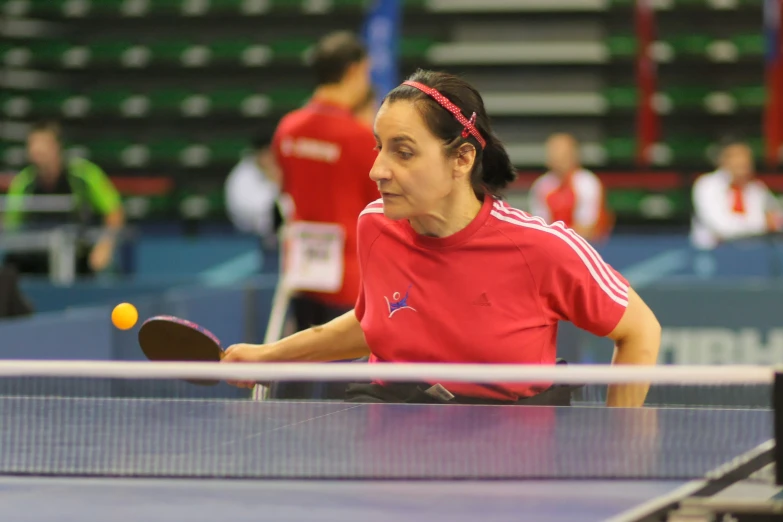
(325, 155)
(491, 293)
(577, 200)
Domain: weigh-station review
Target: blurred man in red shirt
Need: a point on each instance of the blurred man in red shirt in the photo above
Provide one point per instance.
(570, 193)
(325, 153)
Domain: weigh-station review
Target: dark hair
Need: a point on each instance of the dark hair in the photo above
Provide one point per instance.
(492, 170)
(50, 126)
(261, 140)
(334, 54)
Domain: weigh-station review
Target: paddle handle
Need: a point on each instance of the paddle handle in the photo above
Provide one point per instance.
(275, 325)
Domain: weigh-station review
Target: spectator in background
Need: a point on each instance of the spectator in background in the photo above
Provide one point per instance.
(94, 198)
(251, 192)
(325, 153)
(570, 193)
(730, 203)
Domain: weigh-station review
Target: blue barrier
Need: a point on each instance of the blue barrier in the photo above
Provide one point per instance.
(671, 256)
(46, 297)
(175, 256)
(236, 314)
(70, 335)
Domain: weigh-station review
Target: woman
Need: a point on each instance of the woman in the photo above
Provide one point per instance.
(452, 274)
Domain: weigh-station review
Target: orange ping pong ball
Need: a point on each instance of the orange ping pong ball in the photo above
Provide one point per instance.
(124, 316)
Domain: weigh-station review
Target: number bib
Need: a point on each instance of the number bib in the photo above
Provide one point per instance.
(314, 256)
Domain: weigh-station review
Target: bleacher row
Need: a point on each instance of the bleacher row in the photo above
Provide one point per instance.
(251, 103)
(190, 8)
(248, 53)
(179, 152)
(177, 87)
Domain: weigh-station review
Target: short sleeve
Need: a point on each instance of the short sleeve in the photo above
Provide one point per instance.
(368, 230)
(588, 199)
(576, 285)
(102, 193)
(12, 218)
(537, 200)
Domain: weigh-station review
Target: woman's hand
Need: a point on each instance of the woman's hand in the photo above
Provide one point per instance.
(251, 353)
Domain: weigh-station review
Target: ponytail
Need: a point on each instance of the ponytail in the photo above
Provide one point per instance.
(496, 171)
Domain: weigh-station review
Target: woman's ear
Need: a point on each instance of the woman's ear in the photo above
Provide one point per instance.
(463, 163)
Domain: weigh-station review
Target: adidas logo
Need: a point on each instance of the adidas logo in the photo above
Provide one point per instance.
(481, 300)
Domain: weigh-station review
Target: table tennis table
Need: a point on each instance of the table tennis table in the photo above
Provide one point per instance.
(101, 459)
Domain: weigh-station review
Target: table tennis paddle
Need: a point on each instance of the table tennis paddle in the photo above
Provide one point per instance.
(168, 338)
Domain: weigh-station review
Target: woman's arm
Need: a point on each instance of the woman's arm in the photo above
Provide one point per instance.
(637, 340)
(339, 339)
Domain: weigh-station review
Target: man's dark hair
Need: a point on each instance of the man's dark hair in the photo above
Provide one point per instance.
(260, 140)
(334, 54)
(50, 126)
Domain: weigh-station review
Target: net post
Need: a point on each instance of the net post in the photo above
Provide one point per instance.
(777, 405)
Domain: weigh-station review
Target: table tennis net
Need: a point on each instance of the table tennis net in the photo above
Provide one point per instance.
(136, 426)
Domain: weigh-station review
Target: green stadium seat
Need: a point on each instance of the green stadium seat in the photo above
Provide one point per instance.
(109, 102)
(622, 46)
(749, 44)
(754, 97)
(15, 104)
(169, 100)
(230, 50)
(135, 155)
(52, 103)
(689, 149)
(12, 55)
(13, 155)
(620, 150)
(107, 151)
(166, 150)
(243, 102)
(288, 99)
(621, 97)
(686, 97)
(757, 146)
(227, 150)
(692, 44)
(120, 53)
(290, 49)
(415, 48)
(186, 54)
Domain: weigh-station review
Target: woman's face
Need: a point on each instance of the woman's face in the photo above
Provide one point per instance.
(412, 170)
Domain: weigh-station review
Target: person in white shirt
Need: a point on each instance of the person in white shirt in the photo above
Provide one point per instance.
(730, 203)
(570, 193)
(251, 192)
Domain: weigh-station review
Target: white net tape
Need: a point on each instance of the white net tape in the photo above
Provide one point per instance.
(395, 372)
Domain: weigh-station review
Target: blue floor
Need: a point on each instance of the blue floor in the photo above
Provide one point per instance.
(125, 500)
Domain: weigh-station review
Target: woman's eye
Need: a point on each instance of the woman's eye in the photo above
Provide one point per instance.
(404, 154)
(377, 148)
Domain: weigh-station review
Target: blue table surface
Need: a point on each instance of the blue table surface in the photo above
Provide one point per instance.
(124, 500)
(260, 441)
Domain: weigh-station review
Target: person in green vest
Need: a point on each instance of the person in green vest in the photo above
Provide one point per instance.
(95, 201)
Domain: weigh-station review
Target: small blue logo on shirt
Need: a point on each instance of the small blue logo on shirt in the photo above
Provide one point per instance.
(398, 302)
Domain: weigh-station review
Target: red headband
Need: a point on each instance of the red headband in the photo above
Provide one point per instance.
(468, 124)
